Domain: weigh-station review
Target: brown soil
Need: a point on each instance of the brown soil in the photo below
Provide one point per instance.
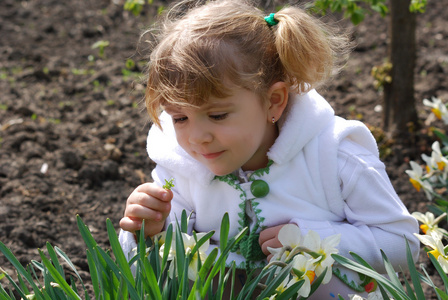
(84, 118)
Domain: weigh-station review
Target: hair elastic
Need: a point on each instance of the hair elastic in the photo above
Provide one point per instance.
(271, 20)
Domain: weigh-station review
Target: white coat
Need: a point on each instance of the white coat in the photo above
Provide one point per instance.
(326, 176)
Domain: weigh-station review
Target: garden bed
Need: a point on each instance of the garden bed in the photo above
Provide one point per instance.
(73, 127)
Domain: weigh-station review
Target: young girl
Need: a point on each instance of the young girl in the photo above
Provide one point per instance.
(241, 129)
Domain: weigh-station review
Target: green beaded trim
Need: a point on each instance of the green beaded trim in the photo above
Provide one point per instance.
(262, 171)
(351, 284)
(248, 246)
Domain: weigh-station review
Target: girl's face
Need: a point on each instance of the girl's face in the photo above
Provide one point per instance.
(226, 133)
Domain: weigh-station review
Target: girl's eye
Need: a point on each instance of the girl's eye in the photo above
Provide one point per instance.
(219, 117)
(179, 120)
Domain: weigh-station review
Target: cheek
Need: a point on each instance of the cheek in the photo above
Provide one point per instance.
(182, 139)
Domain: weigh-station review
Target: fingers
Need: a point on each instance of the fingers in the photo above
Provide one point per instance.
(269, 238)
(129, 224)
(272, 243)
(155, 191)
(269, 233)
(147, 202)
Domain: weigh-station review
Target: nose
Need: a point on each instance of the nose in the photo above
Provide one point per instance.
(199, 134)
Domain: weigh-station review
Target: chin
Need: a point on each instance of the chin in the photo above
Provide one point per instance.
(220, 172)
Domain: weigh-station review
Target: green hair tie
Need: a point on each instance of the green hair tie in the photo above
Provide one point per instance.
(271, 20)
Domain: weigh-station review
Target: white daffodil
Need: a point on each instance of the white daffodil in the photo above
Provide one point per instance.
(189, 243)
(438, 251)
(305, 266)
(416, 178)
(355, 297)
(430, 223)
(323, 248)
(438, 108)
(437, 247)
(437, 162)
(290, 236)
(376, 295)
(443, 261)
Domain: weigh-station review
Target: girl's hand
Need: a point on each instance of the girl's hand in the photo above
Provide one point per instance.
(149, 202)
(269, 238)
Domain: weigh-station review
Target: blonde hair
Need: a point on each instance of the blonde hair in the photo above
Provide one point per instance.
(201, 48)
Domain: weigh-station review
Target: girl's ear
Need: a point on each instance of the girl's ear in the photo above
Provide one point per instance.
(278, 99)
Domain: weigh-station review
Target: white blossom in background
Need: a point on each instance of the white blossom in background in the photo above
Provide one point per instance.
(430, 223)
(438, 108)
(438, 249)
(417, 179)
(436, 163)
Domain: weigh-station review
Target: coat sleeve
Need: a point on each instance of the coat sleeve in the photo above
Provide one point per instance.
(375, 217)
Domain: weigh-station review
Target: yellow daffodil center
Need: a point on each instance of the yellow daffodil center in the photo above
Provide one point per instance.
(437, 113)
(435, 253)
(424, 228)
(415, 184)
(441, 165)
(311, 275)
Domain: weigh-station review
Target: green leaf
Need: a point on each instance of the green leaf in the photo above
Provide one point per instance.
(441, 294)
(184, 222)
(390, 270)
(414, 274)
(54, 259)
(291, 291)
(180, 249)
(222, 259)
(439, 269)
(85, 233)
(224, 233)
(441, 136)
(167, 247)
(357, 17)
(317, 282)
(58, 277)
(69, 262)
(409, 290)
(201, 242)
(272, 285)
(396, 291)
(93, 274)
(151, 280)
(208, 263)
(118, 252)
(16, 287)
(20, 269)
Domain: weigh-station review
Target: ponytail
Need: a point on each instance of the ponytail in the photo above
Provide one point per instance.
(307, 48)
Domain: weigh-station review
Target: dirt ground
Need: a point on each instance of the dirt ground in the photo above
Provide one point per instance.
(73, 128)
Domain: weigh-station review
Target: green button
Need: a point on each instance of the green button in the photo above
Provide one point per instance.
(259, 188)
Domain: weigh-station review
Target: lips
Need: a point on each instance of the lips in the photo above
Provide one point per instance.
(212, 155)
